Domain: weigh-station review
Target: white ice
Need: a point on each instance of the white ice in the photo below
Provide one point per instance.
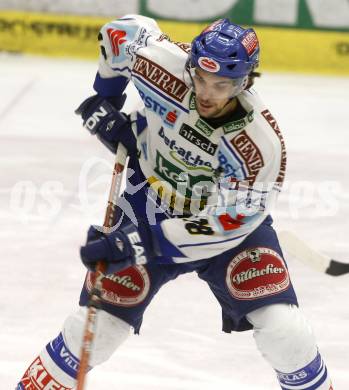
(48, 162)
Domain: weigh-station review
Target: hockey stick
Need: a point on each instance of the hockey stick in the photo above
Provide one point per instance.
(95, 294)
(311, 257)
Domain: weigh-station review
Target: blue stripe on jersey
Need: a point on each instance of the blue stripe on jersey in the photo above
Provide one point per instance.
(309, 377)
(121, 69)
(160, 94)
(61, 355)
(213, 243)
(20, 386)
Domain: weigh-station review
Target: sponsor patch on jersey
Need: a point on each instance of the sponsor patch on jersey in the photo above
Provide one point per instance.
(160, 78)
(228, 166)
(192, 102)
(125, 288)
(198, 139)
(171, 118)
(209, 64)
(179, 179)
(257, 273)
(172, 202)
(37, 377)
(204, 127)
(250, 153)
(119, 41)
(188, 158)
(239, 124)
(191, 164)
(168, 113)
(140, 41)
(250, 42)
(116, 38)
(274, 125)
(229, 223)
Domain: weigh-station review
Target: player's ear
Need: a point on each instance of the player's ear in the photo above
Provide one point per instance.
(251, 78)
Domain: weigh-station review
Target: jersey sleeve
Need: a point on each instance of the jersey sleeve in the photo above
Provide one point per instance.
(119, 42)
(241, 202)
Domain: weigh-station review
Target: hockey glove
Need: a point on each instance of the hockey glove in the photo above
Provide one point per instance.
(101, 116)
(120, 249)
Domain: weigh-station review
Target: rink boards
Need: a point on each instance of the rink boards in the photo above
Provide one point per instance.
(283, 49)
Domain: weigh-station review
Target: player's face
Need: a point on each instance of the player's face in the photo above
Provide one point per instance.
(213, 93)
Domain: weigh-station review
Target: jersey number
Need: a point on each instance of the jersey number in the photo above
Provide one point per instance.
(199, 227)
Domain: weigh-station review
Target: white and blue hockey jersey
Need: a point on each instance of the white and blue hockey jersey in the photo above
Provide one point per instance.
(224, 179)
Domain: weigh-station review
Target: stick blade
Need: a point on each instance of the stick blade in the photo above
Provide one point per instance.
(337, 268)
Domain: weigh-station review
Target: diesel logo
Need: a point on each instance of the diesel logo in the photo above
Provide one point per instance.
(197, 139)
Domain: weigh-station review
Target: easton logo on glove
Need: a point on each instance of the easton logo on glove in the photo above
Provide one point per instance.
(120, 249)
(137, 246)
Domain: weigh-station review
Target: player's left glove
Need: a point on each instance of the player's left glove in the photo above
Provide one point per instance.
(120, 249)
(102, 117)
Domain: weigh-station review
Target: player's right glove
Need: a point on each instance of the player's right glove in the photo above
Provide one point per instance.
(119, 249)
(101, 116)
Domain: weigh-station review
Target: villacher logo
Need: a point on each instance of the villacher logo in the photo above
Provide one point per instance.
(257, 273)
(125, 288)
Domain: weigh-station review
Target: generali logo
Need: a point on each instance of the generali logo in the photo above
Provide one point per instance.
(161, 78)
(274, 125)
(116, 38)
(250, 153)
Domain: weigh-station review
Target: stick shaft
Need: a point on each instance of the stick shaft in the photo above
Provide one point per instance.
(302, 251)
(95, 294)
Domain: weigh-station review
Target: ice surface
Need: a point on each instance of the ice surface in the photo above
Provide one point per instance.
(47, 164)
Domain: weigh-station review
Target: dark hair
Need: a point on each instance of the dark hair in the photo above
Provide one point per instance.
(251, 78)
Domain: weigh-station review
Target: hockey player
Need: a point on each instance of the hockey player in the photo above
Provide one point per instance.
(207, 160)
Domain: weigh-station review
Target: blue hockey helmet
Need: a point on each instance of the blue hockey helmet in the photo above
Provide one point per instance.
(226, 49)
